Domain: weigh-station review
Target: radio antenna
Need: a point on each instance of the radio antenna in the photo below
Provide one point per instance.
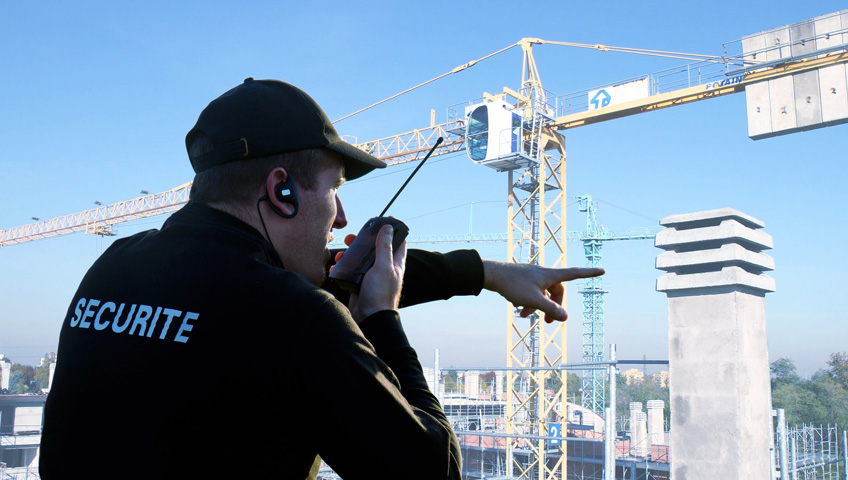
(438, 142)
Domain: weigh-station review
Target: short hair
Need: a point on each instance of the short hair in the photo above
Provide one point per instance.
(236, 182)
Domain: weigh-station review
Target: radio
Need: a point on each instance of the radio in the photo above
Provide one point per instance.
(359, 257)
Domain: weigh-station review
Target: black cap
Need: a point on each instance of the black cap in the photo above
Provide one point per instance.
(266, 117)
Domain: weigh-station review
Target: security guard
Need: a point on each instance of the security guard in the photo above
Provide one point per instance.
(209, 348)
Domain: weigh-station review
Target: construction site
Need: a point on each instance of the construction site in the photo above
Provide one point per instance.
(519, 420)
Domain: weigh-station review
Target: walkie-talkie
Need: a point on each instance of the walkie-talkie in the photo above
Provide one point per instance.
(359, 257)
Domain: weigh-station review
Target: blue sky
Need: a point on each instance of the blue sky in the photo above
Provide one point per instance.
(97, 98)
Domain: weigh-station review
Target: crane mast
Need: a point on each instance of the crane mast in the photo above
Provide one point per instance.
(593, 299)
(536, 235)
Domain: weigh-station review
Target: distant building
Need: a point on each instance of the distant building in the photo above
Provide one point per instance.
(633, 376)
(5, 372)
(20, 434)
(661, 378)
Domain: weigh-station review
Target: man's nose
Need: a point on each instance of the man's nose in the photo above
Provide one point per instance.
(340, 221)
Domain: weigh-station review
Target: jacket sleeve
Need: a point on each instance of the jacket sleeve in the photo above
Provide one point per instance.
(375, 415)
(431, 276)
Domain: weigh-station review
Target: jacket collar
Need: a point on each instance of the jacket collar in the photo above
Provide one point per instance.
(200, 214)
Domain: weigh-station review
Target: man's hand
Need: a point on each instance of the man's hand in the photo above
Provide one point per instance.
(533, 287)
(380, 289)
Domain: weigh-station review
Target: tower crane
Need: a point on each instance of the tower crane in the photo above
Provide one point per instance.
(593, 298)
(519, 132)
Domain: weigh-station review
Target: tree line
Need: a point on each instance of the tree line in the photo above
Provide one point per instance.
(26, 379)
(821, 399)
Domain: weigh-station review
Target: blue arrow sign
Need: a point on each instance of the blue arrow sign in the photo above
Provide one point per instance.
(601, 99)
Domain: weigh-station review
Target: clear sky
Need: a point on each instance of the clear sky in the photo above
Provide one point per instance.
(97, 98)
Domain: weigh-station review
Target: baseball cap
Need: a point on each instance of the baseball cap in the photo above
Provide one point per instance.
(267, 117)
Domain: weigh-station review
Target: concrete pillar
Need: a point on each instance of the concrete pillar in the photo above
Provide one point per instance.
(499, 385)
(643, 446)
(635, 407)
(719, 370)
(5, 373)
(637, 429)
(656, 427)
(52, 370)
(472, 384)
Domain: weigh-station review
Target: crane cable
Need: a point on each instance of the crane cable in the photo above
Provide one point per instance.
(697, 57)
(604, 48)
(455, 70)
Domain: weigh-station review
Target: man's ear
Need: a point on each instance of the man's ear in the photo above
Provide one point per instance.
(282, 192)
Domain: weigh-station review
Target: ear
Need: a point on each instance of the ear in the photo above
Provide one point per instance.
(281, 192)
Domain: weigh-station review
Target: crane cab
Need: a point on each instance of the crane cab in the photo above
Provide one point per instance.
(494, 136)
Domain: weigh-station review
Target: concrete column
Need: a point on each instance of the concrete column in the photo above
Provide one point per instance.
(499, 385)
(719, 370)
(472, 384)
(639, 437)
(656, 427)
(52, 371)
(635, 407)
(5, 373)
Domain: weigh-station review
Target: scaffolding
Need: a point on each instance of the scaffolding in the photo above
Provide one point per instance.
(476, 403)
(810, 452)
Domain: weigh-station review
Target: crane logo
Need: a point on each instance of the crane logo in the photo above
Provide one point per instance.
(601, 99)
(621, 93)
(725, 82)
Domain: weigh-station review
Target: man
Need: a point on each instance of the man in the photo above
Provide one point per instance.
(209, 348)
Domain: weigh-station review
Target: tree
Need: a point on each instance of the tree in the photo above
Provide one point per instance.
(799, 401)
(783, 370)
(822, 399)
(17, 382)
(22, 379)
(838, 370)
(554, 382)
(640, 392)
(450, 380)
(42, 374)
(833, 398)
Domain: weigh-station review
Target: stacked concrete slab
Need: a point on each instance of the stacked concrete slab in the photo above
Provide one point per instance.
(656, 430)
(803, 101)
(720, 397)
(639, 446)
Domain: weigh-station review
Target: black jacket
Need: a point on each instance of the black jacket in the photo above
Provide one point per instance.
(190, 352)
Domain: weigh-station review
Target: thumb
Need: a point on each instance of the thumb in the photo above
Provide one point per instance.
(384, 245)
(552, 310)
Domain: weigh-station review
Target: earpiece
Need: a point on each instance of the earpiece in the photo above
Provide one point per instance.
(285, 192)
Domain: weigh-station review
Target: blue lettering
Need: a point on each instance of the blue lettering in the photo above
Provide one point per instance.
(185, 327)
(153, 322)
(170, 313)
(144, 312)
(725, 82)
(84, 323)
(120, 328)
(141, 320)
(98, 325)
(78, 311)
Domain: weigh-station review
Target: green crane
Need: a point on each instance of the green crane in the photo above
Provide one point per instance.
(593, 299)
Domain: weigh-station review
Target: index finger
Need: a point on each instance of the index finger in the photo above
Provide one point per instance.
(573, 273)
